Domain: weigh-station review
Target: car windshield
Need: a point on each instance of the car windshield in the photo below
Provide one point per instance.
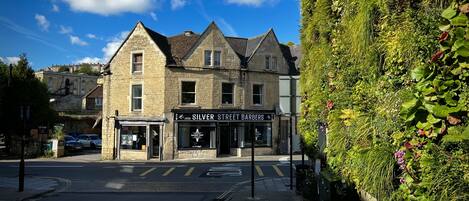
(94, 137)
(69, 139)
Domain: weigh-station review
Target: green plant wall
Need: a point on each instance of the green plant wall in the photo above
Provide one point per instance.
(360, 62)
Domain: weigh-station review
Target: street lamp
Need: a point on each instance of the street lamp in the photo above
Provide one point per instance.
(24, 115)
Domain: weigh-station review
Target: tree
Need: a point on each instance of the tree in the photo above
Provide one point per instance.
(87, 69)
(24, 89)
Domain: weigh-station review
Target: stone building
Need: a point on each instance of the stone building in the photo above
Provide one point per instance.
(192, 95)
(67, 91)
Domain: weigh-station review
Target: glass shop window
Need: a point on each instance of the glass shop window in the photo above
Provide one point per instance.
(133, 137)
(196, 135)
(262, 135)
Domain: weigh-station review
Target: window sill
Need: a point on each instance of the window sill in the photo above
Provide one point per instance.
(189, 106)
(195, 148)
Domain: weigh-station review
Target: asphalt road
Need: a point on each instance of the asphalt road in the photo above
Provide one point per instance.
(143, 181)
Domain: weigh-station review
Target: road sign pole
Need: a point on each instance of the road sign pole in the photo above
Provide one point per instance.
(252, 160)
(291, 153)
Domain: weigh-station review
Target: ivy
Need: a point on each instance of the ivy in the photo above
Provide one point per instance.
(371, 74)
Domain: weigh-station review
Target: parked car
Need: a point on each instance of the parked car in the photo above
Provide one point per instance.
(72, 144)
(90, 140)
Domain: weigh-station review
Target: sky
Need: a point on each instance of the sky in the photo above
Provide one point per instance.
(55, 32)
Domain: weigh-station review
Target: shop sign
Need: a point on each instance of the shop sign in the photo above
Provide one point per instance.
(224, 116)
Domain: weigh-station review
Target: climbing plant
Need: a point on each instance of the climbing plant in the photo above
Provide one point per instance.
(367, 76)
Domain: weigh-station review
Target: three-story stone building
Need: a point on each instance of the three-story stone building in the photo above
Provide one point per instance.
(192, 95)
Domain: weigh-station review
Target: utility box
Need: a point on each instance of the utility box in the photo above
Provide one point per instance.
(57, 147)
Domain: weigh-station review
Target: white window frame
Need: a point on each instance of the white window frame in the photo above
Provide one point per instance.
(267, 64)
(96, 102)
(132, 98)
(195, 92)
(273, 63)
(212, 57)
(132, 53)
(262, 94)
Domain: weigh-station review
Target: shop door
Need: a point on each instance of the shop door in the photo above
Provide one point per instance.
(155, 141)
(224, 140)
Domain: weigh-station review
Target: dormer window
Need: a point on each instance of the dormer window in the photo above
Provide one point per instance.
(212, 58)
(137, 62)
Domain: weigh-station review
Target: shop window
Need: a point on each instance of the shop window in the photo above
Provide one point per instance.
(262, 135)
(196, 135)
(137, 62)
(188, 92)
(257, 94)
(136, 97)
(133, 137)
(227, 93)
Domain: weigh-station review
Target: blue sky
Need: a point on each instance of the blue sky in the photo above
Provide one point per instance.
(73, 31)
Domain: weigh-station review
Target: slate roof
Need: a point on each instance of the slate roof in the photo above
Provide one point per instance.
(177, 47)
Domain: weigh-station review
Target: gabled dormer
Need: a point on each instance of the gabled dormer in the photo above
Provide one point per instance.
(212, 50)
(265, 54)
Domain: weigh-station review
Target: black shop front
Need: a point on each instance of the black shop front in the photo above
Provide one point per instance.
(214, 133)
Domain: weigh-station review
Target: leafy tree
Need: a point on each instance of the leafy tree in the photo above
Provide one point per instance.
(24, 89)
(87, 69)
(63, 69)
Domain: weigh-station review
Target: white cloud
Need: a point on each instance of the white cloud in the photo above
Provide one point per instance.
(88, 60)
(108, 50)
(55, 8)
(65, 30)
(112, 46)
(10, 60)
(75, 40)
(153, 16)
(110, 7)
(91, 36)
(42, 22)
(175, 4)
(254, 3)
(226, 27)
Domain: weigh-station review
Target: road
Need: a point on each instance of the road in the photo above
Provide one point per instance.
(143, 181)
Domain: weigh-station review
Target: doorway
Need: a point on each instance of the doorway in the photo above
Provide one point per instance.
(225, 140)
(155, 141)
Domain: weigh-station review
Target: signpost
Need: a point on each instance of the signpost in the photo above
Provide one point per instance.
(252, 162)
(291, 153)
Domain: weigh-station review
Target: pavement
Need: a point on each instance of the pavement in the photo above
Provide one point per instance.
(265, 189)
(34, 187)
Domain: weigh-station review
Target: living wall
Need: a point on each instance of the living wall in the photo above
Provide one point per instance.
(396, 111)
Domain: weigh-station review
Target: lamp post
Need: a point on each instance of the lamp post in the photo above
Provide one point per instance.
(24, 115)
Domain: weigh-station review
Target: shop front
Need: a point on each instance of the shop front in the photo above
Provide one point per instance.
(216, 133)
(139, 139)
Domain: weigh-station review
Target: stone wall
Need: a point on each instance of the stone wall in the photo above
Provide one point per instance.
(197, 153)
(133, 155)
